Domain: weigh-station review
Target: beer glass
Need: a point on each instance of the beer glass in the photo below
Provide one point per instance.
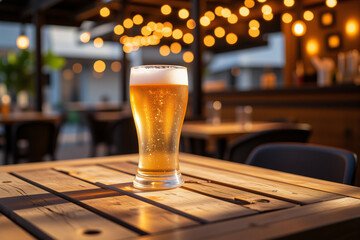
(158, 97)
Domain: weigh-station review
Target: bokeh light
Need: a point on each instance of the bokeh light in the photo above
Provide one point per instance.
(22, 42)
(268, 17)
(85, 37)
(218, 10)
(351, 27)
(138, 19)
(254, 32)
(104, 12)
(190, 24)
(210, 15)
(231, 38)
(164, 50)
(118, 29)
(233, 19)
(98, 42)
(99, 66)
(244, 11)
(77, 68)
(254, 24)
(165, 9)
(287, 18)
(331, 3)
(188, 57)
(266, 9)
(308, 15)
(289, 3)
(183, 13)
(312, 47)
(225, 12)
(298, 28)
(219, 32)
(175, 47)
(177, 34)
(209, 41)
(188, 38)
(116, 66)
(205, 21)
(249, 3)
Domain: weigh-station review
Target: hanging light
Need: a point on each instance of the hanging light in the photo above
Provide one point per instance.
(188, 57)
(165, 9)
(22, 41)
(204, 21)
(104, 12)
(289, 3)
(308, 15)
(183, 13)
(286, 18)
(298, 28)
(98, 42)
(85, 37)
(231, 38)
(209, 41)
(138, 19)
(244, 11)
(219, 32)
(331, 3)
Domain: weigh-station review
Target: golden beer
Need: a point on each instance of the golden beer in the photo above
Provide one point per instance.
(158, 100)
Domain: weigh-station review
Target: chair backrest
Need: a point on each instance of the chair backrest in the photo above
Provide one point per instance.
(240, 149)
(123, 137)
(322, 162)
(34, 140)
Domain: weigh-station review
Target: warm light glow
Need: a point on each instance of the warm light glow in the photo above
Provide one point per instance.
(118, 29)
(287, 18)
(204, 21)
(127, 49)
(164, 50)
(268, 17)
(22, 42)
(327, 19)
(166, 32)
(145, 31)
(85, 37)
(218, 10)
(233, 19)
(244, 11)
(289, 3)
(188, 57)
(188, 38)
(6, 100)
(122, 39)
(128, 23)
(190, 24)
(351, 27)
(210, 15)
(308, 15)
(159, 26)
(334, 41)
(331, 3)
(68, 74)
(151, 26)
(138, 19)
(225, 12)
(219, 32)
(98, 42)
(168, 24)
(177, 34)
(183, 13)
(254, 32)
(99, 66)
(97, 75)
(77, 68)
(249, 3)
(104, 12)
(209, 41)
(266, 9)
(116, 66)
(261, 1)
(165, 9)
(254, 24)
(175, 47)
(231, 38)
(298, 28)
(312, 47)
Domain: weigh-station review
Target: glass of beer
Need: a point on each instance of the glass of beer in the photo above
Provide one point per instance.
(158, 97)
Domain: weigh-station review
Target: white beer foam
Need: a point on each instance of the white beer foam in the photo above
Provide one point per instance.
(158, 75)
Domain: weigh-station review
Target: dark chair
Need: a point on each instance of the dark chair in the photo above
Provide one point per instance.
(327, 163)
(240, 149)
(123, 137)
(98, 132)
(32, 141)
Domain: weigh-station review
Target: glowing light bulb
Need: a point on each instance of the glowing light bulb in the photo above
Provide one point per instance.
(99, 66)
(188, 57)
(244, 11)
(209, 41)
(287, 18)
(118, 29)
(98, 42)
(289, 3)
(312, 47)
(331, 3)
(298, 28)
(165, 9)
(183, 13)
(351, 27)
(219, 32)
(104, 12)
(266, 9)
(85, 37)
(308, 15)
(22, 42)
(204, 21)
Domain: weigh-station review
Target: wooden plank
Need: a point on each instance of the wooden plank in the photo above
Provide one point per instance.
(322, 185)
(48, 216)
(321, 218)
(142, 215)
(201, 207)
(247, 199)
(9, 230)
(284, 191)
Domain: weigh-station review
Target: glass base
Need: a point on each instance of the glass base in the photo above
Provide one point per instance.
(150, 182)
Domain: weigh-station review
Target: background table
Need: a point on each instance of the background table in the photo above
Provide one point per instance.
(9, 120)
(94, 199)
(225, 131)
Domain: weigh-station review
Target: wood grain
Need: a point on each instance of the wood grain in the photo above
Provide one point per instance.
(139, 214)
(277, 224)
(53, 216)
(10, 231)
(205, 208)
(247, 199)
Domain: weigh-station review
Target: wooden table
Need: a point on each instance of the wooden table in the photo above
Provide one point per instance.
(9, 120)
(94, 199)
(223, 132)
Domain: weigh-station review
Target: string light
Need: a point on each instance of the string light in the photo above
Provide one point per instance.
(308, 15)
(177, 34)
(151, 26)
(85, 37)
(204, 21)
(249, 3)
(244, 11)
(166, 32)
(118, 29)
(99, 66)
(287, 18)
(225, 12)
(231, 38)
(77, 68)
(175, 47)
(219, 32)
(116, 66)
(312, 47)
(218, 10)
(210, 15)
(254, 32)
(22, 42)
(254, 24)
(289, 3)
(268, 17)
(188, 57)
(331, 3)
(190, 24)
(104, 12)
(299, 28)
(138, 19)
(266, 9)
(98, 42)
(188, 38)
(209, 41)
(145, 31)
(164, 50)
(233, 19)
(165, 9)
(128, 23)
(183, 13)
